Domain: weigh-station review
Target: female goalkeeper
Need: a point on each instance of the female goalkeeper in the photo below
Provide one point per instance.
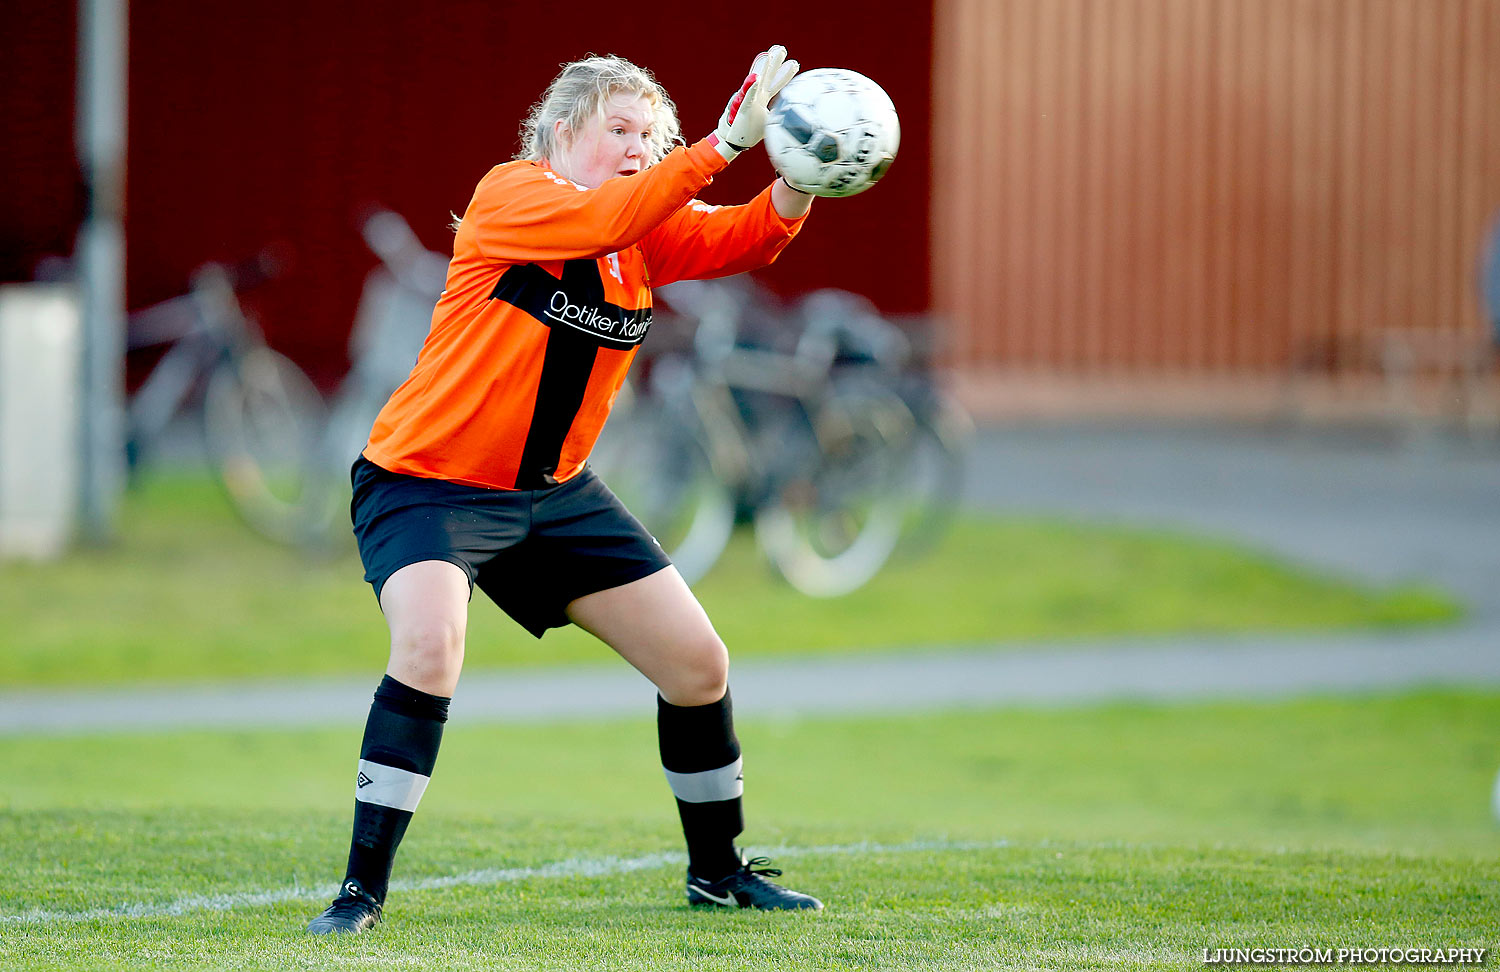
(475, 472)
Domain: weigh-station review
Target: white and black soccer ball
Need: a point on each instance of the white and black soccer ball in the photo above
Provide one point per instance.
(832, 132)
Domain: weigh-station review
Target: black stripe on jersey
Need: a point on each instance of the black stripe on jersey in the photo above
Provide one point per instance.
(576, 301)
(565, 377)
(567, 362)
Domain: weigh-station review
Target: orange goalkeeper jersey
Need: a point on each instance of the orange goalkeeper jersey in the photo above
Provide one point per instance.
(547, 300)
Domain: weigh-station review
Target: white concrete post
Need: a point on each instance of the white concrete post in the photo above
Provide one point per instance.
(41, 351)
(100, 257)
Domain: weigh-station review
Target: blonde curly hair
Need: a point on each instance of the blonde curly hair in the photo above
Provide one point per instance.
(582, 89)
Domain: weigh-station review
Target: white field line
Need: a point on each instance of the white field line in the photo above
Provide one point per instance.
(570, 868)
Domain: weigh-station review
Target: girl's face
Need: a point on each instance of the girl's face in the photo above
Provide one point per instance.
(615, 145)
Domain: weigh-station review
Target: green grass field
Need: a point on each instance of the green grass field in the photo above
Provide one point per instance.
(1124, 836)
(188, 594)
(1121, 836)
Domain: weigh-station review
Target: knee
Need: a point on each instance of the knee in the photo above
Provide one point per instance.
(701, 675)
(428, 652)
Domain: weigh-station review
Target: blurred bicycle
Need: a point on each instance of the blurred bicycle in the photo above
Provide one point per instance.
(810, 441)
(835, 449)
(390, 324)
(258, 412)
(900, 358)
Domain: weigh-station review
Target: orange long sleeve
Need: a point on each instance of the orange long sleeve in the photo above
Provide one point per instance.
(547, 302)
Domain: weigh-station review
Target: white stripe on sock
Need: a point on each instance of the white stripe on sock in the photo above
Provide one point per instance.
(388, 786)
(724, 783)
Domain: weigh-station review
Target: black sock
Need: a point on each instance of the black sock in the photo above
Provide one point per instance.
(395, 764)
(701, 755)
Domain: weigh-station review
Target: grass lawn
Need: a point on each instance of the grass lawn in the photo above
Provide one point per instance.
(188, 594)
(1124, 836)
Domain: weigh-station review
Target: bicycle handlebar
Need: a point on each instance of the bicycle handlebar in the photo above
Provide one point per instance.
(842, 326)
(269, 263)
(211, 293)
(389, 236)
(836, 327)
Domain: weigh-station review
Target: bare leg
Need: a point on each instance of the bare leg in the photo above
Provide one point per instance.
(426, 606)
(658, 626)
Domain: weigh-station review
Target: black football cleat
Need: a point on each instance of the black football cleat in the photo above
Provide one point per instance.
(353, 911)
(748, 888)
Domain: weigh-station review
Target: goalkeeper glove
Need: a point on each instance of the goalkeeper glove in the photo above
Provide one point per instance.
(743, 123)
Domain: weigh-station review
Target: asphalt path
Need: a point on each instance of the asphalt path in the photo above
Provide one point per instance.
(1145, 670)
(1366, 507)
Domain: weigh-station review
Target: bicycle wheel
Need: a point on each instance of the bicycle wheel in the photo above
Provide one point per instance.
(262, 418)
(324, 530)
(934, 467)
(829, 530)
(659, 468)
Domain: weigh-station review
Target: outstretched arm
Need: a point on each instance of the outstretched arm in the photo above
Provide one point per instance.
(790, 203)
(702, 241)
(525, 213)
(743, 124)
(538, 215)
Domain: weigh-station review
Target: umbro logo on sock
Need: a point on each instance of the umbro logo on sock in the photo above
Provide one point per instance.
(363, 781)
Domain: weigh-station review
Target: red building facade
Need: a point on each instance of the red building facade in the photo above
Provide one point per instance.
(280, 122)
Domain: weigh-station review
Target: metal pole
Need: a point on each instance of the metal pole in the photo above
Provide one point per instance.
(99, 139)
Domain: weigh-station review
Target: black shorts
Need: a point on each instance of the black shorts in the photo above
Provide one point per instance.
(531, 551)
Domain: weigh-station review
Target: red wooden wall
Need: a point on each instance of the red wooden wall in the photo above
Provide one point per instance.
(280, 121)
(1209, 187)
(40, 198)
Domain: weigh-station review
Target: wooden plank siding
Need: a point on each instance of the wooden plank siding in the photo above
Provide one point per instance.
(1211, 189)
